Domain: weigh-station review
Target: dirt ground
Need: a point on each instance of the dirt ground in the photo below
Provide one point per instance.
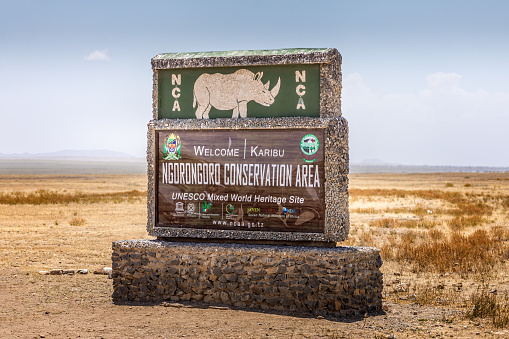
(42, 237)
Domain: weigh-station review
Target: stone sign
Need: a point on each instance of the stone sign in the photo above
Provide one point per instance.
(248, 189)
(248, 146)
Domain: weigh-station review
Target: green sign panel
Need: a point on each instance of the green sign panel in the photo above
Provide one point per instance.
(239, 92)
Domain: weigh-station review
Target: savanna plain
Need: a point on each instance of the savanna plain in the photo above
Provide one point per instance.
(444, 241)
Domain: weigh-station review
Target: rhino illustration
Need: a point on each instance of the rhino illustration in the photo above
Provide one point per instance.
(231, 91)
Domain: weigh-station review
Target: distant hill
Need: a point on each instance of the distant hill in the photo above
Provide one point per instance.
(74, 155)
(72, 162)
(382, 167)
(373, 162)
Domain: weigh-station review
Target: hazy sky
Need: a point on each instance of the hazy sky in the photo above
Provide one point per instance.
(424, 82)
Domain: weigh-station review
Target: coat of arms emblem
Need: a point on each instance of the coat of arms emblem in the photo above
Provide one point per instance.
(171, 147)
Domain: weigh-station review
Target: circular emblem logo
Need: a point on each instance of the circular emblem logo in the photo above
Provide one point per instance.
(309, 144)
(229, 208)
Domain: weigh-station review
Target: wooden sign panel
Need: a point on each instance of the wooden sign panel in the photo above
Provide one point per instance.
(249, 180)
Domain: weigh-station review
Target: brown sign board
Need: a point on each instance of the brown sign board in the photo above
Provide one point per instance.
(248, 180)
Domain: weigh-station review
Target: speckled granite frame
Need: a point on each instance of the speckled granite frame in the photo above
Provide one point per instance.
(336, 161)
(328, 58)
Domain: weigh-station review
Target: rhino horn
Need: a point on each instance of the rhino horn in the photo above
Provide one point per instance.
(275, 90)
(267, 85)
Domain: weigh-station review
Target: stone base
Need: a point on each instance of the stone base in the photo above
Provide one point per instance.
(341, 281)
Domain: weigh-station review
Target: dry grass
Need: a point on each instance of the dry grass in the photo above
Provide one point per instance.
(461, 204)
(487, 303)
(458, 223)
(435, 294)
(499, 232)
(447, 241)
(71, 222)
(404, 223)
(44, 197)
(452, 197)
(77, 221)
(477, 252)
